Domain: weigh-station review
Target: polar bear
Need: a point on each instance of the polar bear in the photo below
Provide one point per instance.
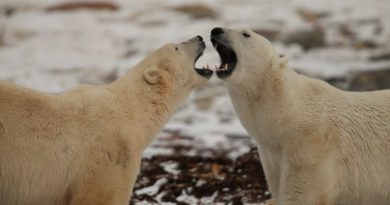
(318, 145)
(84, 147)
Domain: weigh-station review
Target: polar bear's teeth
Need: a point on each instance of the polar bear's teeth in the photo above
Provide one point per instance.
(225, 67)
(216, 46)
(207, 67)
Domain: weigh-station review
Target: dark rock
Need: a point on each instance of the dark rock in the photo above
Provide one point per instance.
(385, 55)
(2, 43)
(370, 80)
(311, 16)
(129, 53)
(152, 23)
(346, 31)
(307, 39)
(9, 12)
(270, 34)
(237, 201)
(110, 76)
(90, 5)
(365, 44)
(339, 82)
(197, 11)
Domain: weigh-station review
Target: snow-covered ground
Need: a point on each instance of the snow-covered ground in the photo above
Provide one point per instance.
(54, 51)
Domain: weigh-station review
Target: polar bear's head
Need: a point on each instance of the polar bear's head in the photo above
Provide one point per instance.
(245, 55)
(170, 73)
(174, 64)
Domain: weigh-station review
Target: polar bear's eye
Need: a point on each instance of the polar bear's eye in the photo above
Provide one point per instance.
(246, 35)
(177, 48)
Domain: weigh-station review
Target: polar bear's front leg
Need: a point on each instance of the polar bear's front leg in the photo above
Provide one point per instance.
(305, 185)
(110, 188)
(108, 181)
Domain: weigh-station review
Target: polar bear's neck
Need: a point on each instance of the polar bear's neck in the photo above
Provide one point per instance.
(145, 107)
(261, 108)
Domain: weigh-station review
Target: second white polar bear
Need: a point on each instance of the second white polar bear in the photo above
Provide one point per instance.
(318, 145)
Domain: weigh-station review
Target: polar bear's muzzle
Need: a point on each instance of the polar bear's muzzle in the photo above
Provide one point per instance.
(226, 53)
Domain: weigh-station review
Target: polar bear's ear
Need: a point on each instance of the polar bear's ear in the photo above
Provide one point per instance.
(283, 60)
(152, 75)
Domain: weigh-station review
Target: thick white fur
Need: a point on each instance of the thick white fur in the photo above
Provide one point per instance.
(318, 145)
(84, 147)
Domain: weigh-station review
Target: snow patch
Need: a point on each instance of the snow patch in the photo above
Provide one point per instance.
(152, 190)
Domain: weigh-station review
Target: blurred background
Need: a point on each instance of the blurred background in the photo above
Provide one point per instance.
(203, 155)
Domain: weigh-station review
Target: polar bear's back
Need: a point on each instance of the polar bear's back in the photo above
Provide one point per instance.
(367, 116)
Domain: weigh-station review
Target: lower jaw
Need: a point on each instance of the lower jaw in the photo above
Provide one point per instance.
(223, 74)
(204, 73)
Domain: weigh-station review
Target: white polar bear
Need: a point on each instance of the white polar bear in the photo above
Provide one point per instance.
(318, 145)
(84, 147)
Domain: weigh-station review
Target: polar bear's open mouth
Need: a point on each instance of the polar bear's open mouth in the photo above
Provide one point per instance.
(205, 71)
(228, 58)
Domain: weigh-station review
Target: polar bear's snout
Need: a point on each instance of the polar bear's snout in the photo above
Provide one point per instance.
(216, 31)
(198, 40)
(223, 45)
(199, 46)
(245, 55)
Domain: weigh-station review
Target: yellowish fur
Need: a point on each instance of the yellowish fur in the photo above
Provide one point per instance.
(318, 145)
(84, 147)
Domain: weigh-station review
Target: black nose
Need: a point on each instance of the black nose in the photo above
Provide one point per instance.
(216, 31)
(199, 38)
